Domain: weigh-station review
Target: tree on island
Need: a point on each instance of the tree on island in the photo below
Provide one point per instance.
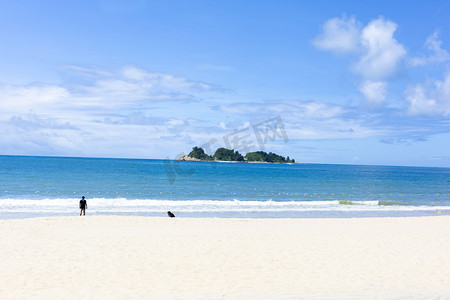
(261, 156)
(224, 154)
(199, 153)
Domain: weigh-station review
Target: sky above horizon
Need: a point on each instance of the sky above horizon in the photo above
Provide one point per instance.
(324, 82)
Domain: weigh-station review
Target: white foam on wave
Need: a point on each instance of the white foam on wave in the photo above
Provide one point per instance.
(123, 205)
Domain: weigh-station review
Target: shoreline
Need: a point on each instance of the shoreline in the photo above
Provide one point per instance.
(127, 257)
(237, 216)
(164, 216)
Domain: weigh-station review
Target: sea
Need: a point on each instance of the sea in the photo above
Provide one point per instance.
(33, 186)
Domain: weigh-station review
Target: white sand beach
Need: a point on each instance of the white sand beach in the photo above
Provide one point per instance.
(112, 257)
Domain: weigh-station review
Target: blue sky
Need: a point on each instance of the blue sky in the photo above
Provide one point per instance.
(350, 82)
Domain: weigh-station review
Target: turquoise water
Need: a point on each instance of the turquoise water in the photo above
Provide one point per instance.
(48, 186)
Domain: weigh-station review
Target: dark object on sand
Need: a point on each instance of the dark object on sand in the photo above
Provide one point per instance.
(170, 214)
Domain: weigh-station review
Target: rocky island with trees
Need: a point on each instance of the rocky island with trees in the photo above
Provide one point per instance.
(227, 155)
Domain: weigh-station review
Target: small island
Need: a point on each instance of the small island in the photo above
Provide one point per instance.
(227, 155)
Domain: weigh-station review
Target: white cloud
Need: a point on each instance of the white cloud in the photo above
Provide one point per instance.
(374, 91)
(379, 54)
(300, 110)
(152, 79)
(305, 119)
(112, 112)
(85, 71)
(134, 73)
(339, 35)
(434, 44)
(123, 114)
(132, 85)
(18, 99)
(438, 55)
(92, 90)
(420, 103)
(32, 122)
(383, 52)
(430, 100)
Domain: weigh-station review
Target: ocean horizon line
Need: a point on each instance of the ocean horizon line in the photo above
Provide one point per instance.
(175, 159)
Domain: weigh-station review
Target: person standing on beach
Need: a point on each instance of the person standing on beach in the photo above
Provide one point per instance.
(83, 206)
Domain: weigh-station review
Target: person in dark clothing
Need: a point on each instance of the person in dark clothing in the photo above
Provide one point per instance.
(83, 206)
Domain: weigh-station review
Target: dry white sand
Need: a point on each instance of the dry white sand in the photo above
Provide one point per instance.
(110, 257)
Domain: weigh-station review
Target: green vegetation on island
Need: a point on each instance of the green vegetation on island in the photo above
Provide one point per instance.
(199, 153)
(223, 154)
(261, 156)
